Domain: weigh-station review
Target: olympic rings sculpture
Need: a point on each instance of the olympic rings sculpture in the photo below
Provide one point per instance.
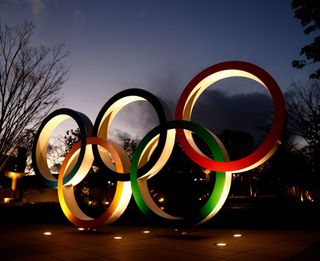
(154, 149)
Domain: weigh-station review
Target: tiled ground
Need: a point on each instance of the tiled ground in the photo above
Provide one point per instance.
(27, 242)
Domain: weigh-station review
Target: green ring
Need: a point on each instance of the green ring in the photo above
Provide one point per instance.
(220, 181)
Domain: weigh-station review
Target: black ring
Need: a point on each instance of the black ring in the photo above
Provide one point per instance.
(155, 102)
(85, 126)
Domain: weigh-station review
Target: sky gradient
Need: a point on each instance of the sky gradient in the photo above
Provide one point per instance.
(160, 46)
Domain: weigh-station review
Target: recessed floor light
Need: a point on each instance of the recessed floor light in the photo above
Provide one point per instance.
(117, 237)
(146, 232)
(221, 244)
(47, 233)
(81, 228)
(237, 235)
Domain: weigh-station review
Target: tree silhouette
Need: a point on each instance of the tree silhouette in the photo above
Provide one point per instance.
(308, 12)
(128, 143)
(71, 137)
(30, 80)
(303, 107)
(289, 171)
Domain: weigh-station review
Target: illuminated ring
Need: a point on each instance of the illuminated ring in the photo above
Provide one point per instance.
(139, 185)
(39, 150)
(66, 196)
(109, 111)
(201, 82)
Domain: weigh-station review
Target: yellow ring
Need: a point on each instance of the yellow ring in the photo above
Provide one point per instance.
(66, 195)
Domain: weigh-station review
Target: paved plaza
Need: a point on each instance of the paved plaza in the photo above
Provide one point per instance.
(66, 242)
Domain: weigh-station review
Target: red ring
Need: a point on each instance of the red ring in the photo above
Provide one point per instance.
(271, 142)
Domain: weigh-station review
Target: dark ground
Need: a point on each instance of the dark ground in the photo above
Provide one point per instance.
(271, 229)
(242, 213)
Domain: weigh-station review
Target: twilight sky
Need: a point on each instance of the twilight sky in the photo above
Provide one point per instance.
(160, 46)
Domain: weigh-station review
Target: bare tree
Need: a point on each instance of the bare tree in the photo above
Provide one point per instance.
(308, 12)
(303, 106)
(30, 80)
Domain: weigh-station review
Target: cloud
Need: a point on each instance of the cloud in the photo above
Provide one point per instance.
(249, 112)
(215, 110)
(78, 18)
(142, 14)
(15, 11)
(135, 119)
(38, 7)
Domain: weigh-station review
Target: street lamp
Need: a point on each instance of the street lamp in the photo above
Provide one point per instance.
(14, 176)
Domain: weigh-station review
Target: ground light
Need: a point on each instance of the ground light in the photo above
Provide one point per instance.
(7, 200)
(47, 233)
(146, 232)
(221, 244)
(117, 237)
